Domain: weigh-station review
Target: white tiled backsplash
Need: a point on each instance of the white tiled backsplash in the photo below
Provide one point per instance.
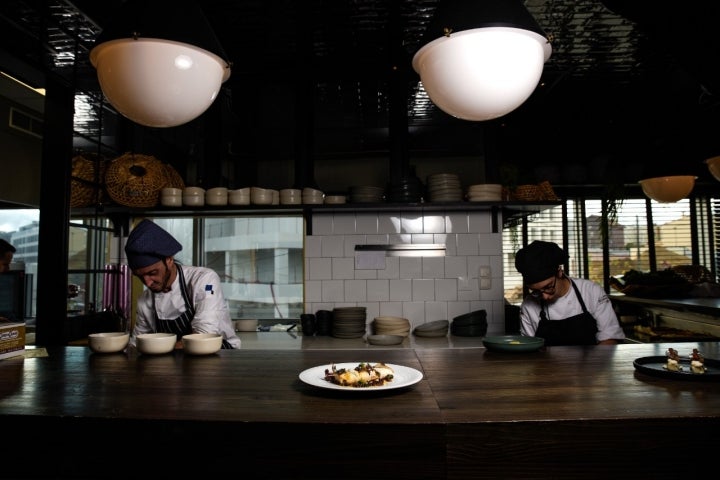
(421, 289)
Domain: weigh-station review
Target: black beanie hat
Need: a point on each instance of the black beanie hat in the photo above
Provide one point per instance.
(539, 260)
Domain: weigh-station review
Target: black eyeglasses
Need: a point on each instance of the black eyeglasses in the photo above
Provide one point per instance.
(546, 290)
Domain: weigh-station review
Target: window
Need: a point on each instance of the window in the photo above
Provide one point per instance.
(258, 258)
(645, 236)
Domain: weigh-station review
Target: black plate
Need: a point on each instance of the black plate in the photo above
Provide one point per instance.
(656, 366)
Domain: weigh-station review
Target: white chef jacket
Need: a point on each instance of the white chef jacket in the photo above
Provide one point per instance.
(596, 301)
(204, 292)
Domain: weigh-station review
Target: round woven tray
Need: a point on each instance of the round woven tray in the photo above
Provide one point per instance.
(135, 180)
(87, 187)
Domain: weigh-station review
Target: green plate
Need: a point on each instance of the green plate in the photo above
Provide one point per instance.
(513, 343)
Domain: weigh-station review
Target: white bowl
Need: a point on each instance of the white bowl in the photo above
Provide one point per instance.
(193, 200)
(171, 200)
(188, 191)
(155, 343)
(108, 342)
(668, 189)
(202, 343)
(246, 325)
(216, 196)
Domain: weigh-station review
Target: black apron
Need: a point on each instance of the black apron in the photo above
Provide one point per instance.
(576, 330)
(182, 325)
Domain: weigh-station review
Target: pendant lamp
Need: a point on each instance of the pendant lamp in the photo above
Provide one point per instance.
(159, 63)
(482, 59)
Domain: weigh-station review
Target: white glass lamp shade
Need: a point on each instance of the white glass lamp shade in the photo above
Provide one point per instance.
(482, 73)
(156, 82)
(668, 189)
(714, 167)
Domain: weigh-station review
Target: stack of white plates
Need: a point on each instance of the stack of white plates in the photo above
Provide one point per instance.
(312, 196)
(444, 187)
(334, 199)
(388, 325)
(349, 322)
(487, 192)
(367, 194)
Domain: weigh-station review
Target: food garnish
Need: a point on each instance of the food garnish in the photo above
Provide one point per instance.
(362, 376)
(697, 361)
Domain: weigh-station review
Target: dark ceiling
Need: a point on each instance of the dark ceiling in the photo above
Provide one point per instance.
(631, 84)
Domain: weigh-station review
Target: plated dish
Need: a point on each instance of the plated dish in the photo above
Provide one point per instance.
(402, 377)
(513, 343)
(656, 366)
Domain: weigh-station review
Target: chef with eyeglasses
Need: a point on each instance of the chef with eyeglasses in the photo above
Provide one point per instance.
(560, 309)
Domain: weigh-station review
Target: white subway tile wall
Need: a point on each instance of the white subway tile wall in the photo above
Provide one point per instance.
(421, 289)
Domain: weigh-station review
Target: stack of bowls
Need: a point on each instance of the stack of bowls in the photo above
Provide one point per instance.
(290, 196)
(313, 196)
(389, 325)
(171, 197)
(444, 187)
(217, 196)
(193, 196)
(406, 190)
(240, 196)
(473, 324)
(261, 196)
(437, 328)
(334, 199)
(488, 192)
(367, 194)
(349, 322)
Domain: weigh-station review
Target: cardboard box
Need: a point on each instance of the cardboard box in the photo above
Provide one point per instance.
(12, 339)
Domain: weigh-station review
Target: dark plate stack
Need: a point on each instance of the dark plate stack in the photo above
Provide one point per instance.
(406, 190)
(349, 322)
(473, 324)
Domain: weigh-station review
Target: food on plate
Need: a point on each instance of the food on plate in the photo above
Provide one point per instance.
(363, 375)
(673, 360)
(697, 362)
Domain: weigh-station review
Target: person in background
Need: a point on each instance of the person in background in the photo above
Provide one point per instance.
(178, 299)
(560, 309)
(7, 252)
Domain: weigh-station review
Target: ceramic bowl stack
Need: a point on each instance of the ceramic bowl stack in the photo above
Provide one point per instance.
(239, 196)
(487, 192)
(389, 325)
(406, 190)
(261, 196)
(367, 194)
(217, 196)
(290, 196)
(313, 196)
(444, 187)
(335, 199)
(437, 328)
(193, 196)
(171, 197)
(349, 322)
(473, 324)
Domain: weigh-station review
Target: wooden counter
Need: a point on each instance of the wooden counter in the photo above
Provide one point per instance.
(562, 412)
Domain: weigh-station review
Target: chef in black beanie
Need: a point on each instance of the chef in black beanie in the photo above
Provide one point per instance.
(560, 309)
(178, 299)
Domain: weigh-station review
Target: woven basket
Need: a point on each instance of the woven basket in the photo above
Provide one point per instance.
(528, 193)
(547, 192)
(135, 180)
(87, 186)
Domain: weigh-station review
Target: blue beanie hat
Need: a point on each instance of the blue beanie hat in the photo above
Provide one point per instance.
(148, 243)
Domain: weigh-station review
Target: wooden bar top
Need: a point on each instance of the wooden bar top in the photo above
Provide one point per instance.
(555, 413)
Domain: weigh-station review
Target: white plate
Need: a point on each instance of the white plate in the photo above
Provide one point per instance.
(403, 377)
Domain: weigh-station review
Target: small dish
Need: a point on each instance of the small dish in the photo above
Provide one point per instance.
(385, 339)
(513, 343)
(156, 343)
